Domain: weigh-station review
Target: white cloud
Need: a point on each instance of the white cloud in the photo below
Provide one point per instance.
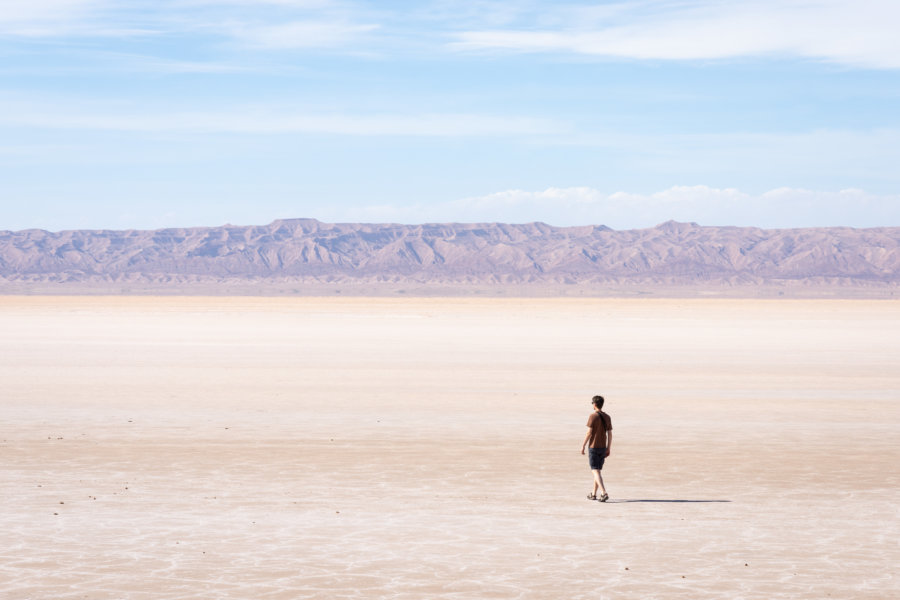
(861, 33)
(777, 208)
(17, 11)
(60, 18)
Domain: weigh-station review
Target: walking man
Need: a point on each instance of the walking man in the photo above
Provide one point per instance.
(598, 439)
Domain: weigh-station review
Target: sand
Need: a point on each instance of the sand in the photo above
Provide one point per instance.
(379, 448)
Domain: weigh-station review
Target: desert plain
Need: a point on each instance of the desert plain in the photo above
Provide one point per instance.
(255, 448)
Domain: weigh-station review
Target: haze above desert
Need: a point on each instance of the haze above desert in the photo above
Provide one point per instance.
(197, 447)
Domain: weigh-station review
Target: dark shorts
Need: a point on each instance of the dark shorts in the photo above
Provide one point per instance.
(596, 456)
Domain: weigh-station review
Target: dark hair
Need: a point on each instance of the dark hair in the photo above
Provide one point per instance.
(597, 401)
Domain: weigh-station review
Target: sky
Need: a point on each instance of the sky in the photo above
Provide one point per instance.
(178, 113)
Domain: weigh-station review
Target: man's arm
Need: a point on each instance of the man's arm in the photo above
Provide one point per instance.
(587, 438)
(608, 440)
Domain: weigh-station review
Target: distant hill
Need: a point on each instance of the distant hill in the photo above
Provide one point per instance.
(307, 256)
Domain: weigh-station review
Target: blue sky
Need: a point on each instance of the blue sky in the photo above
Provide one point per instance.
(203, 112)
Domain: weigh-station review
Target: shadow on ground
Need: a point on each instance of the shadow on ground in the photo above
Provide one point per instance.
(685, 501)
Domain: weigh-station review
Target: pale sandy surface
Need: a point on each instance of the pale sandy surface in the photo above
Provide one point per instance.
(351, 448)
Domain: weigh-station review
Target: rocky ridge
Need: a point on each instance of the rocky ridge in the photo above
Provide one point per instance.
(306, 251)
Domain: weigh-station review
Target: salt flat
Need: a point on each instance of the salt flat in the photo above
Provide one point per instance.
(379, 448)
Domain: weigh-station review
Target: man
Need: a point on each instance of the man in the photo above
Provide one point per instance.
(599, 440)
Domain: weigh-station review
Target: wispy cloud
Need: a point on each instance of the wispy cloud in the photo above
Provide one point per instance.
(264, 24)
(267, 120)
(13, 12)
(130, 62)
(305, 4)
(859, 33)
(300, 34)
(70, 18)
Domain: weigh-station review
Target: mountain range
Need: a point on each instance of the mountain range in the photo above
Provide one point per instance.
(308, 256)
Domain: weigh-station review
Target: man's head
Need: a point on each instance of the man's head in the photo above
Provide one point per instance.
(597, 401)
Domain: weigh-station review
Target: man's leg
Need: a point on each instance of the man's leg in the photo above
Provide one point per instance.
(598, 481)
(593, 494)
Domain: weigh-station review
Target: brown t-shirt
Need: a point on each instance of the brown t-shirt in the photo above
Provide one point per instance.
(600, 423)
